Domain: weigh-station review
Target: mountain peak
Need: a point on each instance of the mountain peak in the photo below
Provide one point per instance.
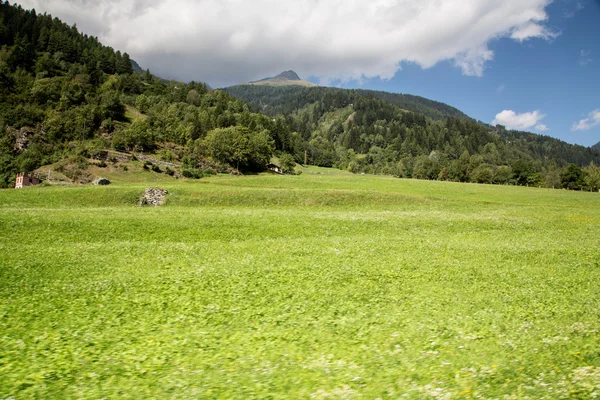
(289, 75)
(283, 79)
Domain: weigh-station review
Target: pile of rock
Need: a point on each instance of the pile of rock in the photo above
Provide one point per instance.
(153, 197)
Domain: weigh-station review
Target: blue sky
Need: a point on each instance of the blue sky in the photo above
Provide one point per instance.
(558, 77)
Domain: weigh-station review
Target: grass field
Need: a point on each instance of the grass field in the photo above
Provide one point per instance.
(321, 285)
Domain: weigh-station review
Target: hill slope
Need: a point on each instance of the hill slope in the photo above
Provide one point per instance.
(277, 100)
(596, 146)
(407, 136)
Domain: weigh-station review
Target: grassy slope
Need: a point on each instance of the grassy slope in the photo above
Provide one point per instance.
(296, 286)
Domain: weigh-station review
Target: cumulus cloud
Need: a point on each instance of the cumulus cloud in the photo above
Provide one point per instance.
(592, 120)
(533, 30)
(230, 41)
(521, 122)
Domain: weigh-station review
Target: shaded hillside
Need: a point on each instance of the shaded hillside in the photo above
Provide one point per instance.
(278, 100)
(596, 146)
(136, 67)
(429, 108)
(548, 148)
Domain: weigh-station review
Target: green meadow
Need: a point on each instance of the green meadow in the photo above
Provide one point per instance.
(325, 285)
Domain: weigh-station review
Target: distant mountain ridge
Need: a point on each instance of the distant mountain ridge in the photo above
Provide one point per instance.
(136, 67)
(286, 98)
(596, 146)
(285, 78)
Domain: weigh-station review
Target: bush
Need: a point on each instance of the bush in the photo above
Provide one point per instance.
(169, 171)
(288, 164)
(101, 164)
(572, 177)
(484, 173)
(156, 168)
(195, 173)
(137, 136)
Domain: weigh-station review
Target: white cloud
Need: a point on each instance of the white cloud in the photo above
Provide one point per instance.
(521, 122)
(592, 120)
(230, 41)
(533, 30)
(472, 62)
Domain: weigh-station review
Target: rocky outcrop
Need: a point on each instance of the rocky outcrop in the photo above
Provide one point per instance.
(101, 182)
(153, 197)
(23, 138)
(156, 161)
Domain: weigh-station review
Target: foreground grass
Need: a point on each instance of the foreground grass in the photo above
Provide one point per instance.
(315, 286)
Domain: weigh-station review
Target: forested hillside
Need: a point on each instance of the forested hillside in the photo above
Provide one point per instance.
(66, 99)
(286, 99)
(63, 95)
(408, 136)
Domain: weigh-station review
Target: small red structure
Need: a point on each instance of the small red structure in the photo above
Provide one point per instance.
(26, 180)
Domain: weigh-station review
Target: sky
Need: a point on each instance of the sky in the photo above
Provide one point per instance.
(527, 64)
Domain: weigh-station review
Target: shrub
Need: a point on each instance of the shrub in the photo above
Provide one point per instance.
(137, 136)
(288, 164)
(195, 173)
